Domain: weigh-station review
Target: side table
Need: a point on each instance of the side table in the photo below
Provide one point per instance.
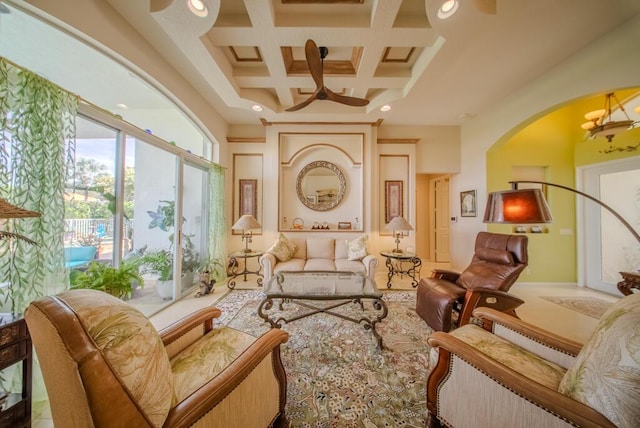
(232, 270)
(395, 264)
(15, 348)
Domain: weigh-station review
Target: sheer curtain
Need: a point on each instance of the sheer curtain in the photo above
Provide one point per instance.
(37, 122)
(217, 225)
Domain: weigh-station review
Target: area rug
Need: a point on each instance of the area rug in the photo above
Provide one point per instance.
(590, 306)
(336, 374)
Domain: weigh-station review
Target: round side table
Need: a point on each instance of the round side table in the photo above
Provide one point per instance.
(396, 263)
(233, 272)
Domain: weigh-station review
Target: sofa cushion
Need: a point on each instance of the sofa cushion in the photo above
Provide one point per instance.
(301, 251)
(320, 264)
(357, 249)
(282, 249)
(342, 252)
(321, 248)
(350, 265)
(606, 373)
(206, 358)
(289, 265)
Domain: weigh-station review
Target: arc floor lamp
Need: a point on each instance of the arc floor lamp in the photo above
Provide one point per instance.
(529, 206)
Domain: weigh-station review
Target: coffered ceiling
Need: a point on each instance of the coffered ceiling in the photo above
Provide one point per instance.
(396, 52)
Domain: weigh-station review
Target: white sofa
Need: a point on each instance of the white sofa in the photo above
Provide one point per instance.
(319, 254)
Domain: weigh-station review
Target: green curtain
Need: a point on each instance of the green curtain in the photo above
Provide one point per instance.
(217, 225)
(37, 123)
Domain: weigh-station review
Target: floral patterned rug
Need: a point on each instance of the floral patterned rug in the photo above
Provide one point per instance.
(590, 306)
(337, 376)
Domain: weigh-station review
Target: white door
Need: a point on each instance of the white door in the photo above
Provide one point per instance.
(441, 215)
(606, 246)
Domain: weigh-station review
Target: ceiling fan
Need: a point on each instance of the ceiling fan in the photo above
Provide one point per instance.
(315, 57)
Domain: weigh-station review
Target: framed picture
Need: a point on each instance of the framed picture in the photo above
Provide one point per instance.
(392, 199)
(248, 197)
(468, 203)
(344, 225)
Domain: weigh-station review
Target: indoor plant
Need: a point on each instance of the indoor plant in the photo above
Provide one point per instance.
(117, 281)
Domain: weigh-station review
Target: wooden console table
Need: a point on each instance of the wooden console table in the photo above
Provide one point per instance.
(15, 347)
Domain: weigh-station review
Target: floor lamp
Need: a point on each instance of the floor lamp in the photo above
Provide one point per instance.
(529, 206)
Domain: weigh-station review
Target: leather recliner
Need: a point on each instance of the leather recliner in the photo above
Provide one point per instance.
(448, 298)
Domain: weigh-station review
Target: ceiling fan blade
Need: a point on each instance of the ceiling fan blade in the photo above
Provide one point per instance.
(486, 6)
(350, 101)
(304, 103)
(314, 61)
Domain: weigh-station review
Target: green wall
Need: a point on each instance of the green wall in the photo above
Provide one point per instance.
(557, 143)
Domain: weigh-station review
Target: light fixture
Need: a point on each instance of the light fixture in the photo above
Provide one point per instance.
(123, 106)
(256, 107)
(398, 224)
(529, 206)
(385, 107)
(8, 210)
(246, 223)
(447, 9)
(600, 123)
(198, 8)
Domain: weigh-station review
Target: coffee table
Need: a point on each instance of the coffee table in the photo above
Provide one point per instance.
(304, 287)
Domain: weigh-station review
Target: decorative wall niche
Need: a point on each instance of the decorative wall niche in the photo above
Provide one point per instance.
(334, 162)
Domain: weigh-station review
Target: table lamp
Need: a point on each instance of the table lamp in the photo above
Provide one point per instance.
(246, 223)
(397, 224)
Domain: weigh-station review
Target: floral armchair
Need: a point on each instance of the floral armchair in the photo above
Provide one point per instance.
(513, 374)
(104, 364)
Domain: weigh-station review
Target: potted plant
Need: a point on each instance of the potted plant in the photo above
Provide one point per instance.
(160, 262)
(118, 282)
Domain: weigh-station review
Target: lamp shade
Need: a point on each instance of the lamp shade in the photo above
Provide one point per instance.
(398, 223)
(517, 206)
(246, 222)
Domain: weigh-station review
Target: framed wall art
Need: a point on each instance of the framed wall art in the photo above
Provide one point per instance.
(468, 203)
(392, 199)
(248, 197)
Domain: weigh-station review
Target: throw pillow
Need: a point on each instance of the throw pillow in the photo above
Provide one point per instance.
(606, 373)
(283, 249)
(357, 248)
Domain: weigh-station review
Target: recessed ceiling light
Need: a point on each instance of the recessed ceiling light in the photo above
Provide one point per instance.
(122, 106)
(197, 7)
(448, 8)
(256, 107)
(385, 107)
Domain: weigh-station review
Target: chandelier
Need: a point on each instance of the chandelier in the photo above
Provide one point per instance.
(600, 123)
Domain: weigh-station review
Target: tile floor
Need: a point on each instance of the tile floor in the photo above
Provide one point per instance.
(547, 315)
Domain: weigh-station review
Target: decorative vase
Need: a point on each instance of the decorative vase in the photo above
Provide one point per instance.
(165, 289)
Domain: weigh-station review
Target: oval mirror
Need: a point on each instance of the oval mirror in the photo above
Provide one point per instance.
(320, 185)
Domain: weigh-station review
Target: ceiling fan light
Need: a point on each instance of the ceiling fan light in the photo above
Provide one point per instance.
(595, 115)
(198, 8)
(447, 9)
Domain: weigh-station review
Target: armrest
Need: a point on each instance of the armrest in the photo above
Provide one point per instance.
(370, 263)
(523, 328)
(187, 330)
(187, 412)
(448, 275)
(542, 396)
(267, 261)
(486, 297)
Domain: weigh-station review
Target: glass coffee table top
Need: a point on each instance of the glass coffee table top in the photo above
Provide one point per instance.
(326, 285)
